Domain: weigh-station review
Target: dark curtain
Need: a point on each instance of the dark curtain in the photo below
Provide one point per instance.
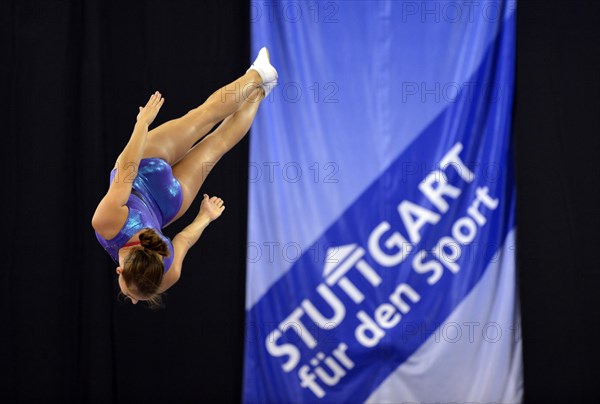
(72, 74)
(557, 116)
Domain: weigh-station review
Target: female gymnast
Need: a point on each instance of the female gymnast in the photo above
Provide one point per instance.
(158, 174)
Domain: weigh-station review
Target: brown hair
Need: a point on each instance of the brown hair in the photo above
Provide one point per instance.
(144, 268)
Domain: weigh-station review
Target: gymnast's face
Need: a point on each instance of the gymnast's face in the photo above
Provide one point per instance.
(129, 292)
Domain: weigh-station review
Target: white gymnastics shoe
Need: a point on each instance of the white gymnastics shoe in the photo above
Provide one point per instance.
(268, 74)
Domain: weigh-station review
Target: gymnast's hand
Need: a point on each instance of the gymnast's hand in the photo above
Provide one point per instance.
(211, 207)
(149, 112)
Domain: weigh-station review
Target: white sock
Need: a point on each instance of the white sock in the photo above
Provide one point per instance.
(267, 72)
(267, 87)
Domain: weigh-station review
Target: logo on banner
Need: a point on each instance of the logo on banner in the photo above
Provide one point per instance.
(299, 351)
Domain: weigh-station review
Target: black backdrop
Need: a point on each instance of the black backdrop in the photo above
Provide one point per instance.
(557, 115)
(72, 74)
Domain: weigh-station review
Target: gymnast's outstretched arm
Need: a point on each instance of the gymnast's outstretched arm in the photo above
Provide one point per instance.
(111, 212)
(210, 209)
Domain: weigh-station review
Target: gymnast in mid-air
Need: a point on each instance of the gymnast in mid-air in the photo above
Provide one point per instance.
(159, 173)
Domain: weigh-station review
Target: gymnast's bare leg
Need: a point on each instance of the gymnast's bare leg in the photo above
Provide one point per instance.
(173, 139)
(194, 167)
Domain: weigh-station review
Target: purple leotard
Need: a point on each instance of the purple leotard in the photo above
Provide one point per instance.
(155, 199)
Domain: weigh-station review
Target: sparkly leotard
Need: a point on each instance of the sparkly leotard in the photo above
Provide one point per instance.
(155, 199)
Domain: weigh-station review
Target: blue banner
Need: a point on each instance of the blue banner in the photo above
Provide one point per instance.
(381, 213)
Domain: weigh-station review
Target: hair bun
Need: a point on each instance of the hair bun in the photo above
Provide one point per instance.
(152, 241)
